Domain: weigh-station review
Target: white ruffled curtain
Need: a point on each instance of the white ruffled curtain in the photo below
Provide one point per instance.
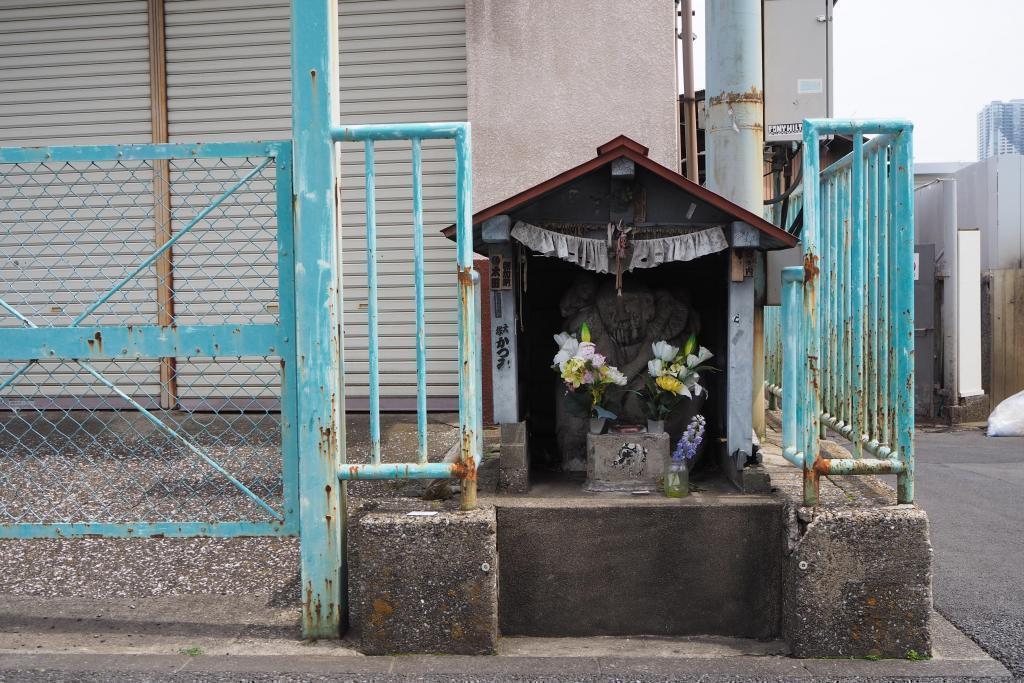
(592, 254)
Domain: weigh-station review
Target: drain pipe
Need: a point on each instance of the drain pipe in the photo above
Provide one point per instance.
(735, 142)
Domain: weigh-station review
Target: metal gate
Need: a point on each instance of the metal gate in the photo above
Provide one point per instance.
(147, 341)
(841, 348)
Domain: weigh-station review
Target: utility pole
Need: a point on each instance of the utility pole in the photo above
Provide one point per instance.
(735, 143)
(689, 101)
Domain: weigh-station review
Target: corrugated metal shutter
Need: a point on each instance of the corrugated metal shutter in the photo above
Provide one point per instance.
(75, 73)
(228, 79)
(400, 60)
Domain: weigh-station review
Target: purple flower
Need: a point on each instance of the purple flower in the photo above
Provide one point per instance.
(689, 443)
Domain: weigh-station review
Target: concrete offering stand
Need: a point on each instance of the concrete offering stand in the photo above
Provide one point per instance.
(626, 462)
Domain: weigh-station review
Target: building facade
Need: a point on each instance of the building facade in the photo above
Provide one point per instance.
(528, 75)
(969, 222)
(1001, 129)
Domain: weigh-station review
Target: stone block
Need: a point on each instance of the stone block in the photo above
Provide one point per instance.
(626, 462)
(859, 583)
(756, 479)
(423, 584)
(513, 433)
(513, 456)
(514, 475)
(970, 409)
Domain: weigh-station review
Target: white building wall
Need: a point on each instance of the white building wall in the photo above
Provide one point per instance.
(990, 197)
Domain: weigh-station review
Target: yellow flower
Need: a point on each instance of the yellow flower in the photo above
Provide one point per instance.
(669, 383)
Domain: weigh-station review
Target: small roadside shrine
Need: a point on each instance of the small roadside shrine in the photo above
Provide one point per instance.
(625, 253)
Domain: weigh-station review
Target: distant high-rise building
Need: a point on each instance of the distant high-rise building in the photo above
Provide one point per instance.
(1001, 129)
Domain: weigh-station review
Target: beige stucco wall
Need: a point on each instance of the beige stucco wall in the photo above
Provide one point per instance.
(551, 80)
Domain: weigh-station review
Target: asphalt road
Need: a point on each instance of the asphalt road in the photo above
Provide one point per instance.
(972, 487)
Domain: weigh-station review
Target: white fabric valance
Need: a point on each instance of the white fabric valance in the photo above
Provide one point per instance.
(592, 254)
(651, 253)
(585, 252)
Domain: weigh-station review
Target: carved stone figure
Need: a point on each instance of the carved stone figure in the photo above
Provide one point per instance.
(623, 328)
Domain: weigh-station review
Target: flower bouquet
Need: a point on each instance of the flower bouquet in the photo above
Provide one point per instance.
(677, 469)
(672, 375)
(586, 375)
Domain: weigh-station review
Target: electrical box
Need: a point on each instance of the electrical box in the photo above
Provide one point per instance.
(797, 66)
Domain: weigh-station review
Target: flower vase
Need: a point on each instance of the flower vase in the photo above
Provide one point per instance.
(655, 426)
(677, 480)
(597, 424)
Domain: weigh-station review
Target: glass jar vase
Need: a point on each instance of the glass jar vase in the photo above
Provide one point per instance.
(677, 480)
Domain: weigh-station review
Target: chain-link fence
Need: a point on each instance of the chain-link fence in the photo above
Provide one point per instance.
(142, 358)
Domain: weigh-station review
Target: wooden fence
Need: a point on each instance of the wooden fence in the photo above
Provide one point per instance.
(1006, 292)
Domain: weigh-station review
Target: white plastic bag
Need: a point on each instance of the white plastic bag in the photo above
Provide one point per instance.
(1008, 417)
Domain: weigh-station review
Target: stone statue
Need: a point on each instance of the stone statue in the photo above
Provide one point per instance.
(623, 328)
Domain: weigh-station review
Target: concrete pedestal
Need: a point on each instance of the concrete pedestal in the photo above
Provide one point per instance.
(424, 583)
(626, 462)
(858, 583)
(514, 474)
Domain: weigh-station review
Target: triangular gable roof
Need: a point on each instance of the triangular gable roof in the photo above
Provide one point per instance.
(623, 146)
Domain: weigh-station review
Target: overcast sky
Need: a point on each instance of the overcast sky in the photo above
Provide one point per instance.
(935, 62)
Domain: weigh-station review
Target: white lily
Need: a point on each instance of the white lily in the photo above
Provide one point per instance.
(664, 351)
(563, 338)
(656, 367)
(702, 355)
(615, 375)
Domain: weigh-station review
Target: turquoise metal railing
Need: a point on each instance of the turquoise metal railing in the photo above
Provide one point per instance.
(844, 337)
(469, 316)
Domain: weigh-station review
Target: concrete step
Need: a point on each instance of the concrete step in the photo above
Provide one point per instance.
(579, 564)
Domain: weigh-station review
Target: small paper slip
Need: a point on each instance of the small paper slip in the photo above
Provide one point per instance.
(421, 513)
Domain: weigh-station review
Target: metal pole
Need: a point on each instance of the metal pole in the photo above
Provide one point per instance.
(735, 142)
(735, 102)
(689, 101)
(470, 421)
(903, 265)
(809, 404)
(318, 349)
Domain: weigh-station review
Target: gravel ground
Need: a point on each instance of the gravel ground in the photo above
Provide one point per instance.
(142, 475)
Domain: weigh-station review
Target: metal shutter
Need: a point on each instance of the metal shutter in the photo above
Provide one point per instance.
(228, 79)
(75, 73)
(400, 60)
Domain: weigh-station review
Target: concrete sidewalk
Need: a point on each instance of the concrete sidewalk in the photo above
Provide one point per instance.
(207, 637)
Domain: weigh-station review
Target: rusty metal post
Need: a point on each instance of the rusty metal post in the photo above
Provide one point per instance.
(470, 419)
(318, 346)
(809, 411)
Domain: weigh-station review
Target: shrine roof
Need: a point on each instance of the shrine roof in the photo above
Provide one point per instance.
(713, 204)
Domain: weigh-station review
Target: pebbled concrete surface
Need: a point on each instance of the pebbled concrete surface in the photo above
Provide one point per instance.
(423, 580)
(972, 487)
(225, 657)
